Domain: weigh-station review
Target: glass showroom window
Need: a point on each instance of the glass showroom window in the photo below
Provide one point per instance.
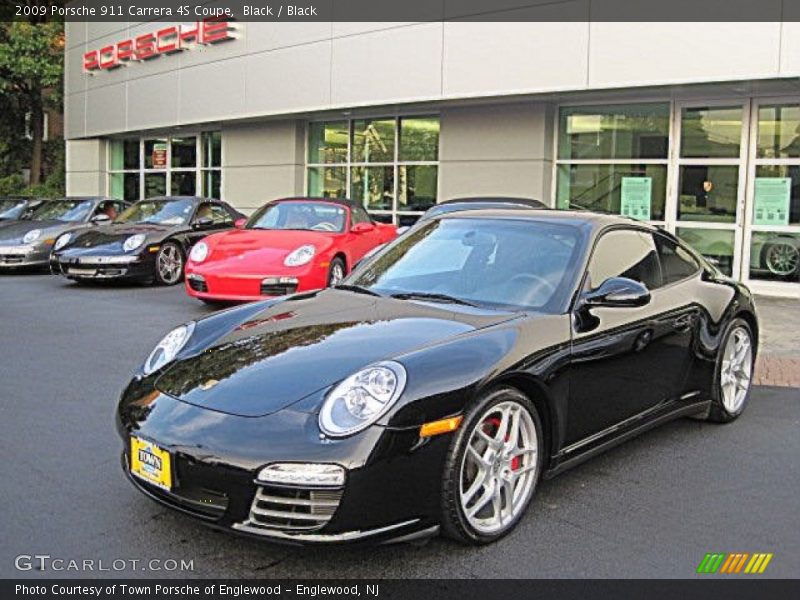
(144, 168)
(124, 166)
(389, 164)
(774, 245)
(614, 159)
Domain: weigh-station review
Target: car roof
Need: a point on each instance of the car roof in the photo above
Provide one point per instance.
(518, 201)
(343, 201)
(577, 218)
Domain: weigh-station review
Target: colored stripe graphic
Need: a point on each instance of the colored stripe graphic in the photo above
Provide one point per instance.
(730, 563)
(710, 563)
(758, 563)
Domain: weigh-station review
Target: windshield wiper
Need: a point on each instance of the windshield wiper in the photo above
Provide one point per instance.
(431, 296)
(357, 289)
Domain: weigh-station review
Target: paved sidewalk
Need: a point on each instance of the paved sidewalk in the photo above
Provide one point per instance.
(779, 356)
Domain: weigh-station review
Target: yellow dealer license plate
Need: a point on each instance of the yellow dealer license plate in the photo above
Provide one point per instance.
(151, 463)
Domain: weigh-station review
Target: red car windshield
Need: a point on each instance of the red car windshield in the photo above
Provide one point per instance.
(309, 216)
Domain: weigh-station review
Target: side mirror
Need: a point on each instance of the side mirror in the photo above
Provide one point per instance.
(240, 223)
(362, 228)
(618, 291)
(101, 218)
(203, 223)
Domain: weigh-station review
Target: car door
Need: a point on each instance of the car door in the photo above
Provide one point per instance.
(625, 360)
(361, 243)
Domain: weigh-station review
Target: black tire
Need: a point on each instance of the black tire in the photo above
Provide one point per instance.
(454, 521)
(170, 251)
(718, 412)
(337, 267)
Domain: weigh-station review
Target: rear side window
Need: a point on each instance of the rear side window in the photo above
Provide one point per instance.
(625, 253)
(359, 215)
(676, 263)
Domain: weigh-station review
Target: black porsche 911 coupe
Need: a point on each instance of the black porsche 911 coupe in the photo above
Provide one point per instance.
(149, 241)
(433, 388)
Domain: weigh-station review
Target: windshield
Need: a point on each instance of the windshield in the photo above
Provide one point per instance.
(70, 211)
(314, 216)
(497, 263)
(161, 212)
(11, 208)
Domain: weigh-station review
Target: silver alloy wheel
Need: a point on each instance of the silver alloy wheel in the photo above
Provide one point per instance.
(737, 369)
(337, 274)
(782, 258)
(170, 264)
(498, 471)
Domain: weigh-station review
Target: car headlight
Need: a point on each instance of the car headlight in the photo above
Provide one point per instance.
(133, 242)
(32, 236)
(361, 399)
(167, 349)
(300, 256)
(62, 241)
(199, 252)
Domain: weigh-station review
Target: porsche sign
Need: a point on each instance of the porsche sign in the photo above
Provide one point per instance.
(168, 40)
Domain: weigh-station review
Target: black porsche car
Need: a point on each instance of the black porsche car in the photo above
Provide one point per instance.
(434, 387)
(149, 241)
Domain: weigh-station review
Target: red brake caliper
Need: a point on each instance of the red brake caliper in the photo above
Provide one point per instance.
(495, 423)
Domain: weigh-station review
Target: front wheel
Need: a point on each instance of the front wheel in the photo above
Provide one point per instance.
(492, 467)
(169, 264)
(336, 272)
(733, 374)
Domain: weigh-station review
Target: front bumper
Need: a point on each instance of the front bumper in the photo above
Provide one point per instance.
(23, 256)
(392, 488)
(231, 287)
(102, 267)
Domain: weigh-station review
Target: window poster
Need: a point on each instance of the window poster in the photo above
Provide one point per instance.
(636, 197)
(772, 198)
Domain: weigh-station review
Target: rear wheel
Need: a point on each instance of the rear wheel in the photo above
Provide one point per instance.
(492, 468)
(336, 272)
(733, 374)
(169, 264)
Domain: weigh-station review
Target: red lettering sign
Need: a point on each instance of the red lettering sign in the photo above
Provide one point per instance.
(151, 45)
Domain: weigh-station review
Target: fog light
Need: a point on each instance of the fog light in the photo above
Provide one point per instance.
(303, 474)
(195, 277)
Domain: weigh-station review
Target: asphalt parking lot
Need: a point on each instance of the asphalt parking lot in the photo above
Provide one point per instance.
(650, 508)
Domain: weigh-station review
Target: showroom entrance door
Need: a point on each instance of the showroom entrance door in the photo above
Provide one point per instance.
(734, 191)
(771, 244)
(709, 179)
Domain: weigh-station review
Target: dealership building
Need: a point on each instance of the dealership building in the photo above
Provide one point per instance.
(694, 127)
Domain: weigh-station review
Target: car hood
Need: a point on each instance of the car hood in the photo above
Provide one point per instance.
(302, 345)
(111, 237)
(258, 247)
(13, 233)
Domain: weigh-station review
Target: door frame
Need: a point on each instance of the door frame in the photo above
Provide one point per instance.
(676, 162)
(764, 286)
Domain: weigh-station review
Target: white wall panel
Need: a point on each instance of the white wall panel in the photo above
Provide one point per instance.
(506, 58)
(401, 64)
(626, 54)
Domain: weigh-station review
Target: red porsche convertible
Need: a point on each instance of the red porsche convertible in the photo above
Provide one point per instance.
(287, 246)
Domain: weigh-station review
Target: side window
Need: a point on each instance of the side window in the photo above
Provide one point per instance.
(110, 208)
(220, 215)
(676, 263)
(215, 212)
(625, 253)
(359, 215)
